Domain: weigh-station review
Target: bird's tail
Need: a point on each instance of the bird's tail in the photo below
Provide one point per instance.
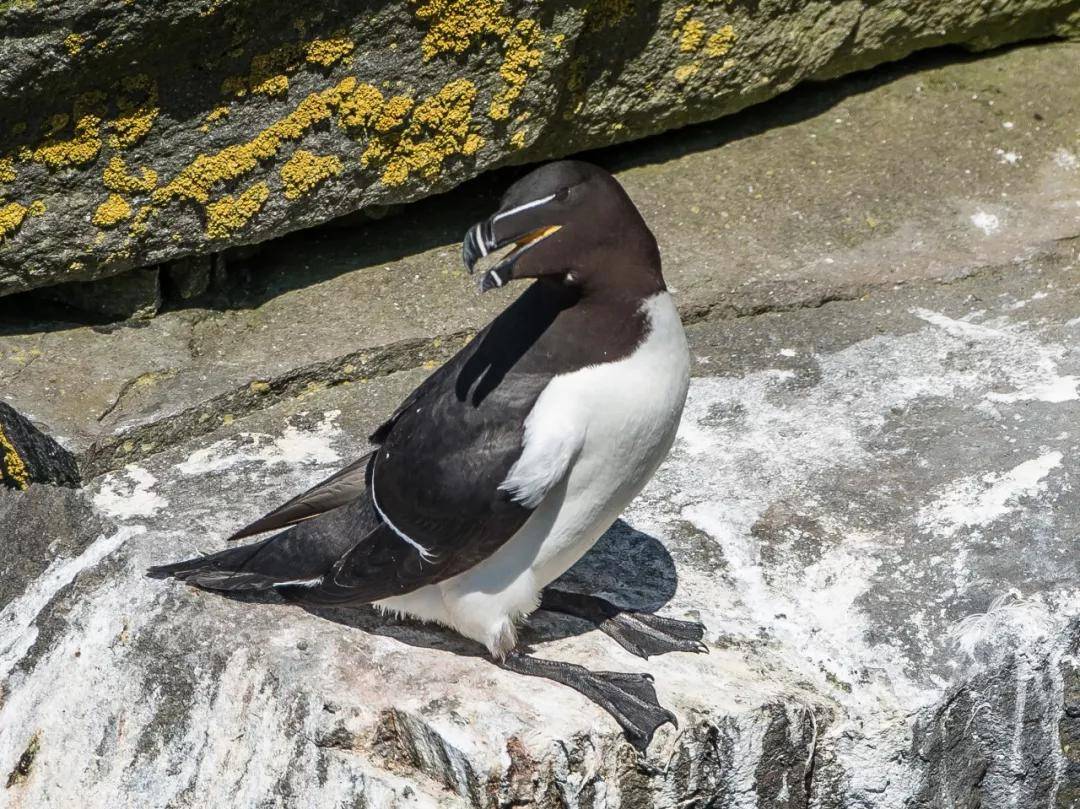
(259, 566)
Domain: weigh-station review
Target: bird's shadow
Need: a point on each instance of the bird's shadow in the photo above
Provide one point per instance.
(626, 566)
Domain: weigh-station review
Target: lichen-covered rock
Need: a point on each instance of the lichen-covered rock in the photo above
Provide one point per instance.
(28, 455)
(133, 133)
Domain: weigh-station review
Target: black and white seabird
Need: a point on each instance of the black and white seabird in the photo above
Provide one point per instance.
(505, 466)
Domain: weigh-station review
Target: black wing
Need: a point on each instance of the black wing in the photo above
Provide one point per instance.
(427, 505)
(435, 478)
(337, 490)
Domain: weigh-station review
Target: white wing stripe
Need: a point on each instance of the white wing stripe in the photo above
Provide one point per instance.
(424, 553)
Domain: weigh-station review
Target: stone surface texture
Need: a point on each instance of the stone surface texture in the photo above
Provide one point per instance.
(27, 455)
(936, 168)
(871, 503)
(132, 133)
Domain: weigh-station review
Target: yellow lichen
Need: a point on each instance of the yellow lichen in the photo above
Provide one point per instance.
(56, 123)
(361, 106)
(273, 86)
(83, 148)
(74, 43)
(195, 180)
(138, 226)
(393, 113)
(7, 170)
(91, 103)
(114, 210)
(437, 129)
(267, 72)
(456, 24)
(682, 13)
(692, 35)
(326, 52)
(517, 140)
(720, 42)
(138, 111)
(684, 73)
(229, 214)
(37, 208)
(216, 113)
(14, 469)
(521, 57)
(304, 170)
(11, 217)
(116, 177)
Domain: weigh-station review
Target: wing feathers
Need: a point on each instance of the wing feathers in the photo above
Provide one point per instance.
(337, 490)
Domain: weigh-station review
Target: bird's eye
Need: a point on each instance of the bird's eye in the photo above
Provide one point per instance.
(562, 194)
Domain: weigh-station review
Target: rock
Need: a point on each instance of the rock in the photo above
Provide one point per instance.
(870, 506)
(190, 277)
(28, 455)
(134, 295)
(787, 205)
(168, 129)
(44, 527)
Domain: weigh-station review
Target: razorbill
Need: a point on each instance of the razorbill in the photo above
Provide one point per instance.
(505, 466)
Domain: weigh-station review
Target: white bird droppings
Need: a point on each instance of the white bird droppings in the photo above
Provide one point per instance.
(988, 223)
(128, 494)
(293, 446)
(978, 501)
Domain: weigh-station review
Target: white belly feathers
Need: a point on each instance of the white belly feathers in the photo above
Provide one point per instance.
(592, 441)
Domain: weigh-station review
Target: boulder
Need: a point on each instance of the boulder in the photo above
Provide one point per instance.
(870, 506)
(44, 527)
(27, 455)
(138, 133)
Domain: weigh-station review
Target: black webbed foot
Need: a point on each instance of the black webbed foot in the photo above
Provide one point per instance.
(640, 633)
(629, 697)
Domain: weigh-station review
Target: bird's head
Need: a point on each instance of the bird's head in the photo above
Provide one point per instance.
(570, 223)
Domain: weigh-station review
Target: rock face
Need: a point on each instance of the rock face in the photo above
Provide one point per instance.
(134, 133)
(869, 505)
(755, 212)
(28, 455)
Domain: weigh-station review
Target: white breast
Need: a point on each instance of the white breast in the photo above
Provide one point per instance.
(593, 440)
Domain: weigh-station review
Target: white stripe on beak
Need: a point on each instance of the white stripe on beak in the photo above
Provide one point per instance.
(523, 207)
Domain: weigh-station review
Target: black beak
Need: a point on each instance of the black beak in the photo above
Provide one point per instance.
(478, 243)
(524, 227)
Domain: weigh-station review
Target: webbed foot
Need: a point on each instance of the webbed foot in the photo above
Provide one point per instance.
(629, 697)
(641, 633)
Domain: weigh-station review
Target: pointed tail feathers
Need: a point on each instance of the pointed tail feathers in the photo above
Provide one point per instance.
(259, 566)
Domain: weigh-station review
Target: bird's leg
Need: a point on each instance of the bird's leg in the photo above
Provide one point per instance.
(629, 697)
(640, 633)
